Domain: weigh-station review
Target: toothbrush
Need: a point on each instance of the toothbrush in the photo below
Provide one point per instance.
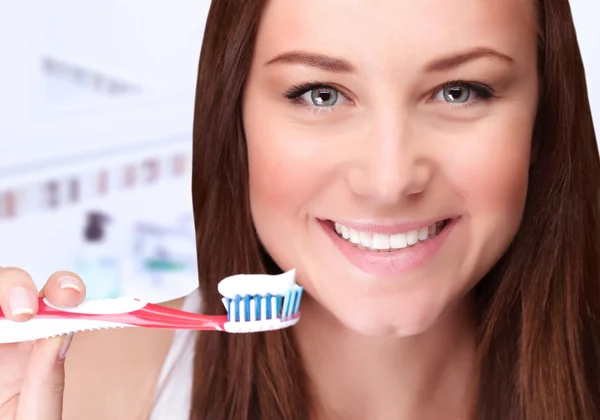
(254, 303)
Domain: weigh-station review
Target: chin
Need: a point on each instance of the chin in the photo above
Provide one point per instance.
(387, 322)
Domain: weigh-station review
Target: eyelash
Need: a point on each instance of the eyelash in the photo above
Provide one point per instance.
(483, 91)
(295, 93)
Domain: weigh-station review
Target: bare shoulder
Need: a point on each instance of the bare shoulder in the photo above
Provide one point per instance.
(113, 373)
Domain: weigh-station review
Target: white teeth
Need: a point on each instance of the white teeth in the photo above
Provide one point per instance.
(381, 242)
(412, 237)
(398, 241)
(345, 232)
(338, 228)
(366, 239)
(354, 237)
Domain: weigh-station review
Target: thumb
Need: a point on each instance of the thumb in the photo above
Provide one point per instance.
(44, 381)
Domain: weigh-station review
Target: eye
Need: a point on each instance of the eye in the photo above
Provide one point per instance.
(316, 96)
(455, 94)
(462, 93)
(322, 97)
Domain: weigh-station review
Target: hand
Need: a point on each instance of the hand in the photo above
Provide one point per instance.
(32, 374)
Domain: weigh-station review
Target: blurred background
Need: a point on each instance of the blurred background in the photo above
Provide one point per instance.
(96, 101)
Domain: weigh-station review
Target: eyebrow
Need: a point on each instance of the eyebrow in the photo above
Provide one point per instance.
(339, 65)
(320, 61)
(457, 60)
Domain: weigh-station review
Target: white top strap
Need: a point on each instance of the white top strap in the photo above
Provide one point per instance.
(174, 388)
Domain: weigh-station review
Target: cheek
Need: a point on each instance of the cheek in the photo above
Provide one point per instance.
(493, 184)
(289, 166)
(491, 174)
(491, 170)
(286, 178)
(280, 181)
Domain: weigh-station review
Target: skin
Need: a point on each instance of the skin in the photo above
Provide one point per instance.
(121, 366)
(393, 149)
(390, 150)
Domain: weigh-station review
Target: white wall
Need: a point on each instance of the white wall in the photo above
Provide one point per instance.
(586, 14)
(153, 42)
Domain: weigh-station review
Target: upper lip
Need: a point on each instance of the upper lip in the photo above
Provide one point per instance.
(389, 228)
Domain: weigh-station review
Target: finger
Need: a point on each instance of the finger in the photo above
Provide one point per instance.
(18, 294)
(44, 381)
(64, 288)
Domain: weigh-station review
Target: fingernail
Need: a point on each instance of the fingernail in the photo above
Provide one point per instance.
(19, 302)
(62, 353)
(69, 283)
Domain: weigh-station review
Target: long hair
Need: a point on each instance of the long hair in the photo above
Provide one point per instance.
(538, 308)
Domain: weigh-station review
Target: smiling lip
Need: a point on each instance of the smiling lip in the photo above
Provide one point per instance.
(389, 229)
(394, 262)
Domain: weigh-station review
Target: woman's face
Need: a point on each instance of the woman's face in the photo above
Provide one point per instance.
(389, 147)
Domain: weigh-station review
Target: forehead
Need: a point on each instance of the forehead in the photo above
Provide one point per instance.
(396, 31)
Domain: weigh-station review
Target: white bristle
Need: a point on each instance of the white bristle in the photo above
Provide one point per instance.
(253, 310)
(263, 308)
(274, 307)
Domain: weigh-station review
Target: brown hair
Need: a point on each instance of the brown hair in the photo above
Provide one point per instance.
(539, 307)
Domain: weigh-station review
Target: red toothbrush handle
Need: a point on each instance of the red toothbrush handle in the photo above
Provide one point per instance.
(156, 316)
(131, 312)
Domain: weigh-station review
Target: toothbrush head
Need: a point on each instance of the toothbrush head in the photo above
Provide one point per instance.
(256, 303)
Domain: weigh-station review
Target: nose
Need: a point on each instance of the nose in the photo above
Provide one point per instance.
(391, 163)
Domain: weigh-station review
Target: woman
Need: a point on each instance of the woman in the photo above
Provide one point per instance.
(429, 168)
